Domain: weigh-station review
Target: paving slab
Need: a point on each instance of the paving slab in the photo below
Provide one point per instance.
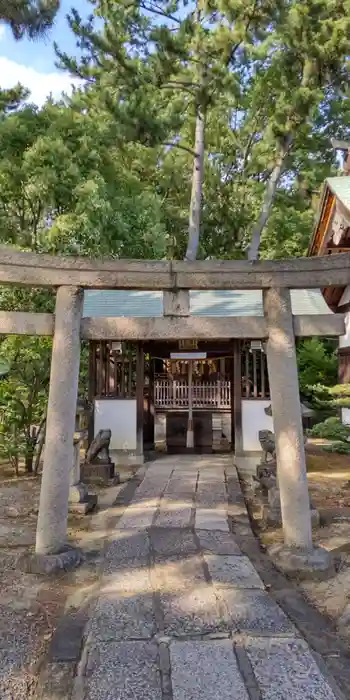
(168, 542)
(123, 671)
(175, 513)
(145, 500)
(182, 482)
(124, 609)
(227, 571)
(205, 670)
(155, 579)
(217, 542)
(211, 519)
(127, 544)
(137, 517)
(211, 495)
(150, 488)
(254, 611)
(285, 668)
(189, 604)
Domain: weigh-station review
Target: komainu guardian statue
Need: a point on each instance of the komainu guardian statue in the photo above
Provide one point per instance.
(98, 451)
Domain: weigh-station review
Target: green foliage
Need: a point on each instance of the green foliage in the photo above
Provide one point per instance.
(317, 369)
(28, 17)
(65, 188)
(272, 80)
(334, 430)
(340, 390)
(342, 448)
(331, 429)
(341, 394)
(23, 396)
(109, 171)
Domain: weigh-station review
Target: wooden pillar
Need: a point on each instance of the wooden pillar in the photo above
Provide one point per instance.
(140, 370)
(236, 398)
(60, 427)
(190, 434)
(286, 413)
(92, 389)
(151, 408)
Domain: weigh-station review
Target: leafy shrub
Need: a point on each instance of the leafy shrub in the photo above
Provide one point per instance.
(23, 397)
(331, 429)
(342, 448)
(317, 364)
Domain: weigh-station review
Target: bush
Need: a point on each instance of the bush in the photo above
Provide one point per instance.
(342, 448)
(331, 429)
(317, 364)
(23, 397)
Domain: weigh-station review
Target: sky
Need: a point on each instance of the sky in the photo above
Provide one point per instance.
(32, 63)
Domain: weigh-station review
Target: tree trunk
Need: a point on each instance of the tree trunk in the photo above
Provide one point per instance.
(270, 194)
(30, 449)
(29, 463)
(39, 449)
(197, 188)
(198, 159)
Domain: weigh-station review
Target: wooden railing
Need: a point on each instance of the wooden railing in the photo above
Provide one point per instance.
(174, 394)
(255, 380)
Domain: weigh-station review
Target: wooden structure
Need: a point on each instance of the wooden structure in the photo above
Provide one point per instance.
(276, 324)
(332, 237)
(113, 376)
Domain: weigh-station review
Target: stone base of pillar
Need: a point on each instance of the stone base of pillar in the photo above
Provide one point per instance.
(272, 514)
(83, 507)
(80, 501)
(316, 563)
(77, 492)
(271, 500)
(46, 564)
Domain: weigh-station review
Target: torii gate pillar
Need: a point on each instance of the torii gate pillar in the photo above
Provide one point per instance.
(58, 456)
(297, 555)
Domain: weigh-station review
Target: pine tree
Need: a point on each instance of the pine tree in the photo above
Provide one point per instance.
(28, 17)
(308, 58)
(161, 67)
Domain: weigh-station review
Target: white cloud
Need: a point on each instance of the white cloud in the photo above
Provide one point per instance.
(2, 31)
(41, 85)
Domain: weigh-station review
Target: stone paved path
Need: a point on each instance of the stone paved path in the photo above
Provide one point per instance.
(181, 613)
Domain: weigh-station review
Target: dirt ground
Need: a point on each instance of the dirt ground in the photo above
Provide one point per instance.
(329, 486)
(30, 606)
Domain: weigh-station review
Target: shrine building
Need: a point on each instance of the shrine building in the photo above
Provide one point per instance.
(142, 391)
(332, 236)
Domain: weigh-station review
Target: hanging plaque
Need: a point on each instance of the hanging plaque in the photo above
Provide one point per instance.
(188, 344)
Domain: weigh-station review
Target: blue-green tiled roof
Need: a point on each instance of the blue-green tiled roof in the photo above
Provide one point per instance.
(207, 303)
(122, 303)
(340, 186)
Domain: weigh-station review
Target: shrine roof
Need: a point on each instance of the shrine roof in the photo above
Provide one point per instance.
(340, 187)
(202, 303)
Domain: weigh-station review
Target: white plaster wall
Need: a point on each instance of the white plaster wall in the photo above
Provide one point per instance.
(345, 416)
(120, 417)
(254, 419)
(344, 340)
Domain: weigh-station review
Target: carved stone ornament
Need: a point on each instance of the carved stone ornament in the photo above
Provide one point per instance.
(98, 450)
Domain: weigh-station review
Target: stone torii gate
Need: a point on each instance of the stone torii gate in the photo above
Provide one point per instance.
(69, 276)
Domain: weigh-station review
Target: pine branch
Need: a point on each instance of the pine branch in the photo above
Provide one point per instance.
(181, 147)
(182, 84)
(157, 11)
